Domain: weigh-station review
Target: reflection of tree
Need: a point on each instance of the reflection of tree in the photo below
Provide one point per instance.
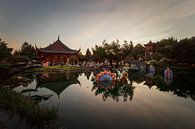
(138, 76)
(118, 90)
(87, 74)
(22, 79)
(181, 86)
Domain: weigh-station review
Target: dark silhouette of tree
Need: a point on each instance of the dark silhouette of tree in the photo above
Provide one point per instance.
(164, 48)
(138, 51)
(169, 50)
(99, 54)
(88, 55)
(184, 51)
(113, 51)
(81, 57)
(27, 50)
(5, 52)
(127, 49)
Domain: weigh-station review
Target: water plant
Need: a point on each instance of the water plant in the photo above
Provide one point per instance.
(24, 106)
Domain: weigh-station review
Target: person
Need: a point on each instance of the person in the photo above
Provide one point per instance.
(151, 70)
(168, 76)
(168, 73)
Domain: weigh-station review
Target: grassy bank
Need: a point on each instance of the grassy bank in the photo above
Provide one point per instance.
(18, 103)
(5, 66)
(56, 68)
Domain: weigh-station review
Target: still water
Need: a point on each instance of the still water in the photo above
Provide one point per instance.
(141, 102)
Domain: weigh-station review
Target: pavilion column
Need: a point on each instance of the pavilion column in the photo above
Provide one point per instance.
(55, 58)
(50, 58)
(77, 61)
(65, 59)
(68, 60)
(58, 58)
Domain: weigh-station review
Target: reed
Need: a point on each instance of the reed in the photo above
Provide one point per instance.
(26, 107)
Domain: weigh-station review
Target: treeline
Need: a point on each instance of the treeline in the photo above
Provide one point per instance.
(12, 62)
(114, 52)
(8, 56)
(176, 52)
(168, 50)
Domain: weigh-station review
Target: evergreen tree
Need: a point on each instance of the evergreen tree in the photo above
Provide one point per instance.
(88, 55)
(5, 52)
(27, 50)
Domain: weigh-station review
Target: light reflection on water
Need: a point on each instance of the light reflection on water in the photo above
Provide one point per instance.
(142, 103)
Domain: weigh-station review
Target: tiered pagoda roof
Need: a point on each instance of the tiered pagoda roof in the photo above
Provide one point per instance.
(58, 47)
(150, 44)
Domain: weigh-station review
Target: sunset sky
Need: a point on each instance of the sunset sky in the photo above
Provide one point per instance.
(84, 23)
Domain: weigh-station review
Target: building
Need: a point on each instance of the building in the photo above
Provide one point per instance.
(150, 48)
(58, 53)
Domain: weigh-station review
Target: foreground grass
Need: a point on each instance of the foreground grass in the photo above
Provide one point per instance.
(5, 66)
(26, 107)
(53, 68)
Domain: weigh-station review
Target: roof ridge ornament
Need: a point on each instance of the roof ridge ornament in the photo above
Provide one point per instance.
(58, 37)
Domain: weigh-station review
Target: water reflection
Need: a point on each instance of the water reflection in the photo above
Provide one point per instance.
(137, 77)
(180, 85)
(87, 74)
(120, 88)
(168, 81)
(83, 106)
(22, 79)
(57, 82)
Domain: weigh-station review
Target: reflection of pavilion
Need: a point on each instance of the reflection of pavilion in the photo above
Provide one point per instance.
(57, 82)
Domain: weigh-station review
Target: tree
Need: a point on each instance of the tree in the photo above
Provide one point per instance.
(184, 51)
(27, 50)
(81, 57)
(164, 48)
(99, 54)
(5, 52)
(138, 51)
(88, 55)
(113, 51)
(127, 49)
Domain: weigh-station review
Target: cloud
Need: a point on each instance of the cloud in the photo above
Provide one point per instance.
(3, 20)
(86, 22)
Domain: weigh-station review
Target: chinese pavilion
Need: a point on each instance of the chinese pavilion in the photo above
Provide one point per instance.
(56, 53)
(150, 48)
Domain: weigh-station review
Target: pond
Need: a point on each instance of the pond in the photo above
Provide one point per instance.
(141, 102)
